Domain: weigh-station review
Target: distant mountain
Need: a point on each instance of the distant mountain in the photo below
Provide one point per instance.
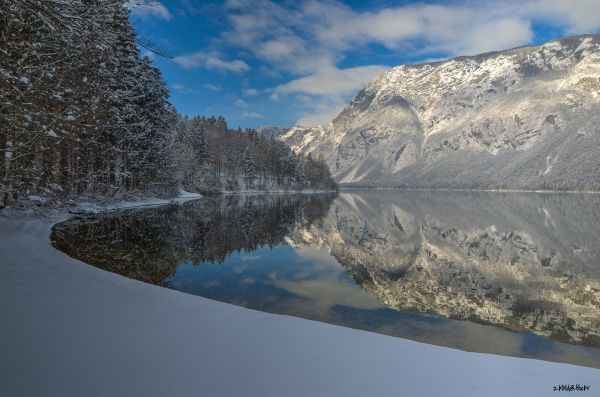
(526, 118)
(271, 131)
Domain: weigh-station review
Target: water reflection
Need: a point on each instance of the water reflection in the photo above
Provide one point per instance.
(523, 261)
(149, 244)
(407, 264)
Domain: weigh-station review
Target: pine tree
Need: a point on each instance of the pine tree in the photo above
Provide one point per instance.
(82, 113)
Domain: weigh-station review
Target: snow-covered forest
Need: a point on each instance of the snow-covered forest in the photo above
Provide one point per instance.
(211, 157)
(83, 113)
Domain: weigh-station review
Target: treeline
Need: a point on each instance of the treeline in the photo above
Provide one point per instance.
(213, 157)
(83, 113)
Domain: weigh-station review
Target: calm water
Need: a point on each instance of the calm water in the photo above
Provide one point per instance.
(505, 273)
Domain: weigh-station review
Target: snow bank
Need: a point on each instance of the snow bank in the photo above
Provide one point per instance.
(189, 195)
(186, 196)
(69, 329)
(94, 207)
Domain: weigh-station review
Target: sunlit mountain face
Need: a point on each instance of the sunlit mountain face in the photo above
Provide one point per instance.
(505, 273)
(473, 122)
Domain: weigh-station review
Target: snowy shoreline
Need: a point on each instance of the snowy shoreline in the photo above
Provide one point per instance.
(97, 206)
(71, 329)
(94, 207)
(251, 192)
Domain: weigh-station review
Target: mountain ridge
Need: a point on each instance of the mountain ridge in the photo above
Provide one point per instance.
(525, 118)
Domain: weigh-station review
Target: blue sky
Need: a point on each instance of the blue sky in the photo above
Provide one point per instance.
(263, 62)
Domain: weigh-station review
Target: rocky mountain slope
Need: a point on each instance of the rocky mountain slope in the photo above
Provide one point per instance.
(271, 131)
(526, 118)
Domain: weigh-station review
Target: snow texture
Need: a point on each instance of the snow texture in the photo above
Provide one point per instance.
(94, 207)
(69, 329)
(186, 196)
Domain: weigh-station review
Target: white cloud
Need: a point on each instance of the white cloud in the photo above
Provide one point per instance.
(240, 103)
(232, 66)
(276, 35)
(212, 87)
(432, 28)
(249, 91)
(311, 35)
(576, 16)
(253, 115)
(332, 81)
(190, 61)
(149, 9)
(309, 39)
(181, 88)
(200, 59)
(323, 95)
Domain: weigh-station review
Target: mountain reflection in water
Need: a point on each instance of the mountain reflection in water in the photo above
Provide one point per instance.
(456, 269)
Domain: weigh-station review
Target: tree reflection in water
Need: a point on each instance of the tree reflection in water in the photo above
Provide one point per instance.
(149, 244)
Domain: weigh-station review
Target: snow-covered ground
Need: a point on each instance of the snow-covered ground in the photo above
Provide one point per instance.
(186, 196)
(69, 329)
(95, 207)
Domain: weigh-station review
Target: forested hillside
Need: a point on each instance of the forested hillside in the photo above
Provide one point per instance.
(84, 114)
(212, 157)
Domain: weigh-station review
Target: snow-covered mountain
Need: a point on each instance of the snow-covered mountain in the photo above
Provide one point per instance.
(271, 131)
(526, 118)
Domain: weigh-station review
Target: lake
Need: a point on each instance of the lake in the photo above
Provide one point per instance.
(515, 274)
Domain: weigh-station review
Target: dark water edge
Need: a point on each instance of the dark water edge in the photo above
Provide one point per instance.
(503, 273)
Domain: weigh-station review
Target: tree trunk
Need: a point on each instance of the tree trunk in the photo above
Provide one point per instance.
(8, 153)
